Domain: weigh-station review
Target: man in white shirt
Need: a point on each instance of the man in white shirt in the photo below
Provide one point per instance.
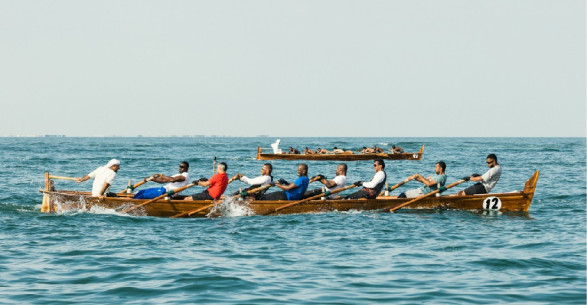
(487, 181)
(372, 188)
(256, 182)
(338, 182)
(173, 182)
(103, 177)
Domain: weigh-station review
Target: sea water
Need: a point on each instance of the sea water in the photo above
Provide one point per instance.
(408, 257)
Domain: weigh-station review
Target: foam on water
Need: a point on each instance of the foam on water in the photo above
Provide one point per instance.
(231, 208)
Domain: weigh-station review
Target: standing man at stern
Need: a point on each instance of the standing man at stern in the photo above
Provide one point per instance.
(103, 177)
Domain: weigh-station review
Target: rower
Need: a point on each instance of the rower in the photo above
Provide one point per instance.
(372, 188)
(173, 182)
(293, 151)
(338, 182)
(487, 181)
(216, 185)
(430, 184)
(103, 178)
(256, 182)
(396, 150)
(291, 191)
(377, 150)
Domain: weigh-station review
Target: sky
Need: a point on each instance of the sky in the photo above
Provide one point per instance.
(451, 68)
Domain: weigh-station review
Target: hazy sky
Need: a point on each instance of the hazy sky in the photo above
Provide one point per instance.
(293, 68)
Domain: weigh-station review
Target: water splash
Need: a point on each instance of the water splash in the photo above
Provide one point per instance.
(231, 208)
(66, 207)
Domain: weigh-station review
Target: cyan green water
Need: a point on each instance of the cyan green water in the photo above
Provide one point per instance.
(409, 257)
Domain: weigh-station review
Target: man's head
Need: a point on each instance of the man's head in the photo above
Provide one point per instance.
(222, 167)
(184, 166)
(341, 169)
(491, 160)
(378, 165)
(113, 165)
(266, 169)
(302, 169)
(440, 167)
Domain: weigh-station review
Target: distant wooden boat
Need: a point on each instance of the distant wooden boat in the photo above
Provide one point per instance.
(62, 201)
(340, 157)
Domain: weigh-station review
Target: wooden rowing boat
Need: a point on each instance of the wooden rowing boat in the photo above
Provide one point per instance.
(340, 157)
(62, 201)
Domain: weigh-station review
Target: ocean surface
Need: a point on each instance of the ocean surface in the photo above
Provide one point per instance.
(408, 257)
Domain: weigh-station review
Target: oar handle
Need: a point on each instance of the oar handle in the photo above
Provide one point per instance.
(255, 190)
(327, 193)
(63, 178)
(134, 186)
(235, 177)
(169, 193)
(424, 196)
(410, 178)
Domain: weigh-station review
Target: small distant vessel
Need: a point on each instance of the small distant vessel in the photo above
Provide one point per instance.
(340, 157)
(62, 201)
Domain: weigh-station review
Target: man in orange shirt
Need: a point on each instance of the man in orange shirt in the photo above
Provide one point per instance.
(216, 185)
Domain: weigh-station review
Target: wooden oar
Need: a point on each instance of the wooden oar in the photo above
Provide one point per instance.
(170, 193)
(132, 187)
(63, 178)
(327, 193)
(441, 189)
(242, 194)
(410, 178)
(214, 166)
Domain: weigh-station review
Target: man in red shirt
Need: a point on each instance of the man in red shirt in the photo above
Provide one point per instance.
(216, 185)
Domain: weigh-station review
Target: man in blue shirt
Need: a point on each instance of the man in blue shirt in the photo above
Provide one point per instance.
(291, 191)
(430, 184)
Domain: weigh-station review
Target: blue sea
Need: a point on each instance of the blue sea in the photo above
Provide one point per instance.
(407, 257)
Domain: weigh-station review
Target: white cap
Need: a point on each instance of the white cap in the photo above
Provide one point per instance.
(113, 162)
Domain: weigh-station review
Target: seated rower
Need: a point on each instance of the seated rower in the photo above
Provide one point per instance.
(337, 150)
(307, 151)
(338, 182)
(322, 151)
(174, 182)
(367, 150)
(216, 185)
(372, 188)
(291, 191)
(396, 150)
(293, 151)
(256, 182)
(430, 184)
(487, 181)
(377, 150)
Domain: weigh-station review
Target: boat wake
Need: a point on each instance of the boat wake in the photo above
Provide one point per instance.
(231, 208)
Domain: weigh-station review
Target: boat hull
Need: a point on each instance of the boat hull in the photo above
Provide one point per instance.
(61, 201)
